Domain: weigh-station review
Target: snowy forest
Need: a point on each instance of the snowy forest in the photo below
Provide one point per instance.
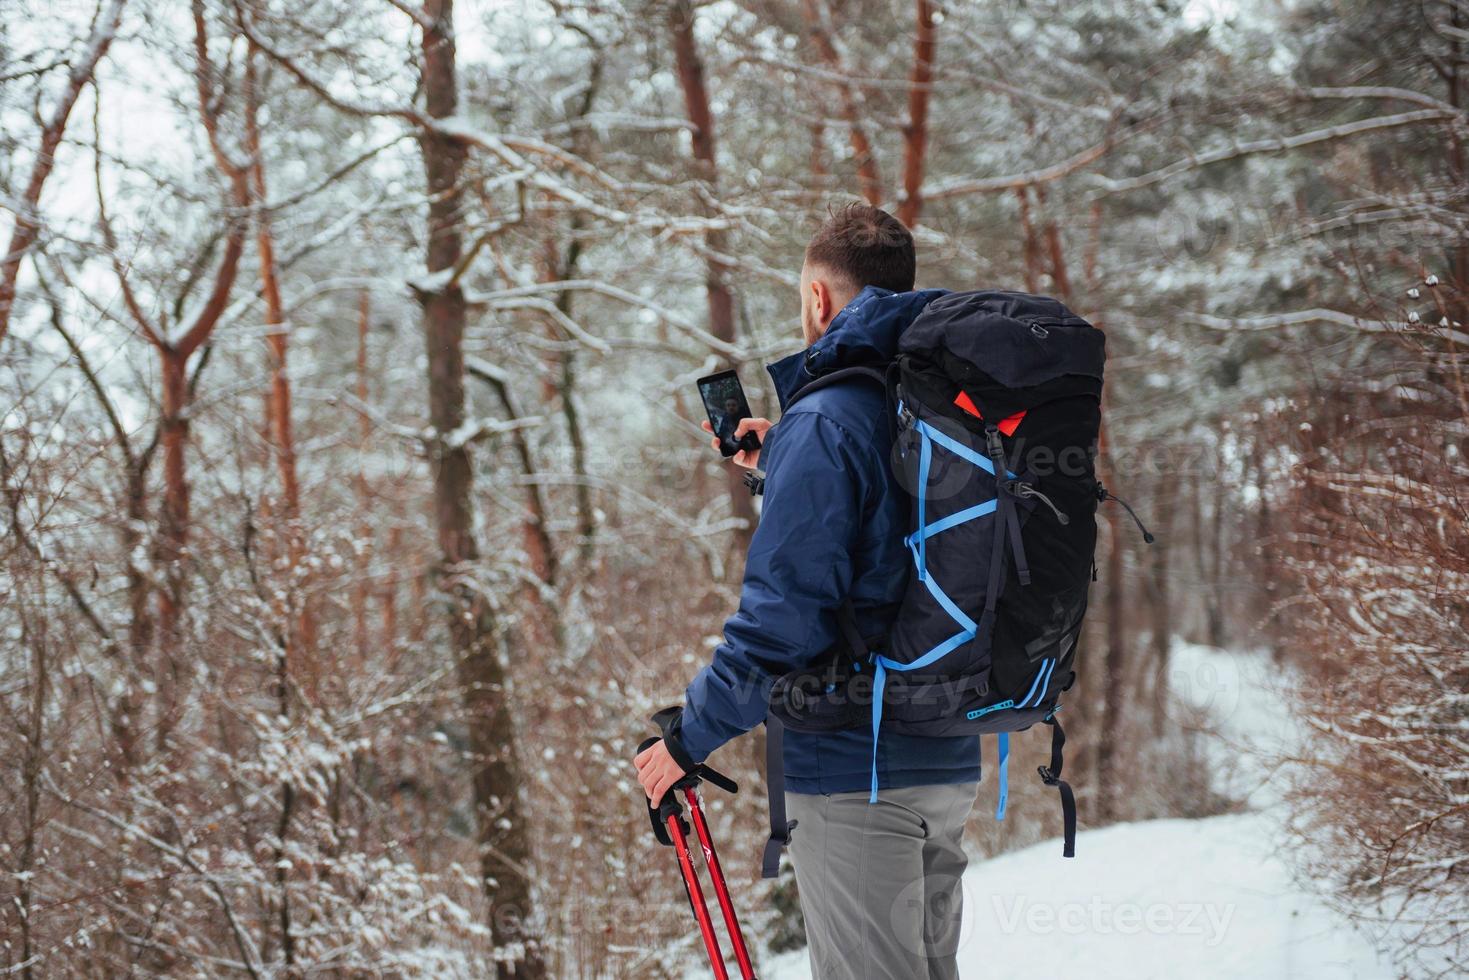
(356, 513)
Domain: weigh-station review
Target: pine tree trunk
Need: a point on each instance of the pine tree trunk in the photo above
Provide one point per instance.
(823, 33)
(297, 621)
(716, 242)
(1162, 599)
(1114, 694)
(503, 835)
(173, 539)
(915, 130)
(1109, 735)
(361, 588)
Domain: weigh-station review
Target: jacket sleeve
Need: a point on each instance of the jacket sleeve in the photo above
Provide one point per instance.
(798, 570)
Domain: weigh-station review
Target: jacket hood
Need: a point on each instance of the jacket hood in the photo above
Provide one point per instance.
(864, 334)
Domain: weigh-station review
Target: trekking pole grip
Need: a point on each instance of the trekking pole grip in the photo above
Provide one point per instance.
(669, 806)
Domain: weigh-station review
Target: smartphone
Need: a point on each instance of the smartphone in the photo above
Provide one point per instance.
(724, 400)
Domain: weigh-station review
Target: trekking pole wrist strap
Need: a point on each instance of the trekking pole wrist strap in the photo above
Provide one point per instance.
(669, 720)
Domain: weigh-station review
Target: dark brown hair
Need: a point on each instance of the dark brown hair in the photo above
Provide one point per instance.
(866, 246)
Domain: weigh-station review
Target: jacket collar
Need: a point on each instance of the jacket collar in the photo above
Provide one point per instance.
(864, 333)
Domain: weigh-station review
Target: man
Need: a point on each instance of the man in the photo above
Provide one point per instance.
(879, 882)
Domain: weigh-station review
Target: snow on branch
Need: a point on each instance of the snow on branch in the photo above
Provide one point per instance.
(319, 88)
(510, 148)
(1318, 315)
(184, 858)
(603, 123)
(500, 296)
(468, 432)
(405, 432)
(1040, 175)
(474, 430)
(1380, 92)
(555, 313)
(485, 369)
(1280, 144)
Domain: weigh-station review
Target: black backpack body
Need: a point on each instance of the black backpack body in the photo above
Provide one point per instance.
(995, 399)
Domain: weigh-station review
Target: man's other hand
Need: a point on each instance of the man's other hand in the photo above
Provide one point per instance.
(656, 770)
(748, 458)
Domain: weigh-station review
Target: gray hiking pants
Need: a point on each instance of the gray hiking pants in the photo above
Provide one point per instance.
(880, 883)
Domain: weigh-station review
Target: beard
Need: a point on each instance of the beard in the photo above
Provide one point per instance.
(810, 329)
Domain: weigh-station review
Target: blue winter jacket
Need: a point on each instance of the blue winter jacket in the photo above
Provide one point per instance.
(832, 525)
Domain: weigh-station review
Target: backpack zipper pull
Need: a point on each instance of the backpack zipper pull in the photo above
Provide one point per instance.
(1024, 490)
(1103, 494)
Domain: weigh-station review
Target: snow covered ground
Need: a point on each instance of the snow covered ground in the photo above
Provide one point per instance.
(1212, 899)
(1206, 899)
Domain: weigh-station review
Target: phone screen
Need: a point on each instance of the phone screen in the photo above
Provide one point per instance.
(724, 400)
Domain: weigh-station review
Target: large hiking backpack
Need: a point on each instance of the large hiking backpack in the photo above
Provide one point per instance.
(996, 405)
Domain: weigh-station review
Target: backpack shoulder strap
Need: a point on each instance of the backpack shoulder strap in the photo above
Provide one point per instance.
(836, 377)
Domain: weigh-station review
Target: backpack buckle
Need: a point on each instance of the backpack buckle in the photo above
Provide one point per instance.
(1047, 777)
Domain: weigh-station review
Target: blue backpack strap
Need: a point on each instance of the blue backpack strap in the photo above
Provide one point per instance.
(968, 628)
(1003, 739)
(1039, 685)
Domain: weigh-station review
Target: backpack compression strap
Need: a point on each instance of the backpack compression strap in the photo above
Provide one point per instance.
(1051, 776)
(775, 788)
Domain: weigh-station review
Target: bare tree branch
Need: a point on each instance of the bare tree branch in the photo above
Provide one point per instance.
(27, 218)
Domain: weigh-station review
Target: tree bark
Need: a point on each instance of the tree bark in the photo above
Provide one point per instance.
(1029, 243)
(503, 836)
(561, 268)
(1218, 557)
(720, 299)
(1109, 732)
(586, 521)
(1109, 736)
(915, 131)
(173, 533)
(1162, 598)
(1458, 167)
(124, 711)
(361, 589)
(298, 621)
(535, 527)
(818, 22)
(1060, 277)
(173, 355)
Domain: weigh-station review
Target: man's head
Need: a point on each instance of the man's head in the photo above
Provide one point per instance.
(859, 245)
(731, 406)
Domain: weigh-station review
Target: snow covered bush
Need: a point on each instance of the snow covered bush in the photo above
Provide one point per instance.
(1380, 546)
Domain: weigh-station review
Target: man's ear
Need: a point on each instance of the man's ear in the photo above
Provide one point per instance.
(821, 303)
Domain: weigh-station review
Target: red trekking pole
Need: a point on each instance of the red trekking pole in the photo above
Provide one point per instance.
(672, 830)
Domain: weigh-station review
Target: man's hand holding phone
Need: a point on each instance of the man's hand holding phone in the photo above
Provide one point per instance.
(748, 458)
